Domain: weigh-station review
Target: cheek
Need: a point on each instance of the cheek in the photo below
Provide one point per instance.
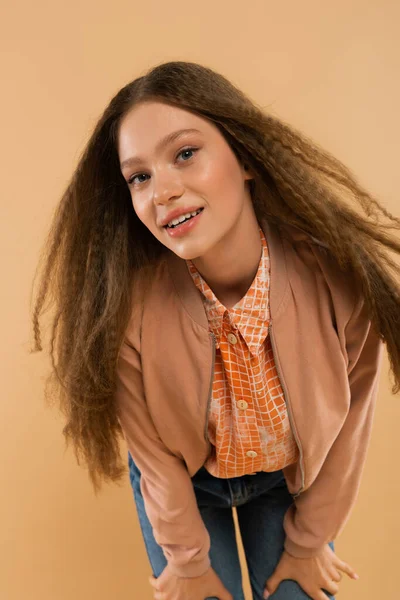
(221, 178)
(141, 211)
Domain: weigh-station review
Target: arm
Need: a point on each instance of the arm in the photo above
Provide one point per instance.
(320, 513)
(166, 486)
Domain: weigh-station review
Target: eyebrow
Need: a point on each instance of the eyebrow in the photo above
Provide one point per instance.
(168, 139)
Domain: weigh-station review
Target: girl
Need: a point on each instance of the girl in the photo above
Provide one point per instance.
(221, 307)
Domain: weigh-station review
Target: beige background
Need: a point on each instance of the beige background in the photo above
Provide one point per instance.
(331, 69)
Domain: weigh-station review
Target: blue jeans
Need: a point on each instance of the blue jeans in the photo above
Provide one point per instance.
(261, 501)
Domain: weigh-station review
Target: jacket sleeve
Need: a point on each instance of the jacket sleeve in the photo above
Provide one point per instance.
(319, 514)
(166, 486)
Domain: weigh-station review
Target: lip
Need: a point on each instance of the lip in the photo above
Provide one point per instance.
(174, 214)
(185, 228)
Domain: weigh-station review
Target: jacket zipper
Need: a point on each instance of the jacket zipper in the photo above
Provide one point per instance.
(289, 409)
(210, 389)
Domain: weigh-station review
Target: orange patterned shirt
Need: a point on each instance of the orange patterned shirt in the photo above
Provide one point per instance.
(248, 424)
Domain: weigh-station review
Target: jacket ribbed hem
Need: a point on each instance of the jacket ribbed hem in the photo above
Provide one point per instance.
(192, 569)
(300, 551)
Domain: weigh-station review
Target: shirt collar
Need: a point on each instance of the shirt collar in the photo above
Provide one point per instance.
(252, 309)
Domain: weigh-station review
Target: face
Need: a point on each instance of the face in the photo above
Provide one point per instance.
(196, 169)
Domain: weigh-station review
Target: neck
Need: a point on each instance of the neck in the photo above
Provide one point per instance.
(230, 267)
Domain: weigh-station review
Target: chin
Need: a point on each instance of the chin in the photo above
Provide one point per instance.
(189, 249)
(186, 255)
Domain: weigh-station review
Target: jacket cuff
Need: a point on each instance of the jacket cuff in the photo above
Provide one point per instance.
(191, 569)
(300, 551)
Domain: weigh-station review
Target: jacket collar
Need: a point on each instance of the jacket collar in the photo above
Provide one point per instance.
(189, 294)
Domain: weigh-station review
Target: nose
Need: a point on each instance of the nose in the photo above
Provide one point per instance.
(166, 187)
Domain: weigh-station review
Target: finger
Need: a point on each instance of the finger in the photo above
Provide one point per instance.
(316, 591)
(153, 582)
(320, 595)
(335, 575)
(223, 593)
(348, 570)
(314, 594)
(331, 587)
(271, 585)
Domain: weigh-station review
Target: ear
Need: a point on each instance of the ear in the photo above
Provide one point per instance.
(247, 172)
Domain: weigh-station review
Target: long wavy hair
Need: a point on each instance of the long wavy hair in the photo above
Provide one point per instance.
(97, 245)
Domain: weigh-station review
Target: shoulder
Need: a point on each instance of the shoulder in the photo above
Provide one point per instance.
(297, 235)
(146, 285)
(316, 255)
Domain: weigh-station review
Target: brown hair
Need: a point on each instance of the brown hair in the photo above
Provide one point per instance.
(97, 245)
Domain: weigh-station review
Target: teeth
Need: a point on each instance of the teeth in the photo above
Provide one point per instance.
(182, 218)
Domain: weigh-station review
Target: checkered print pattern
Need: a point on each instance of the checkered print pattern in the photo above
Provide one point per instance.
(248, 422)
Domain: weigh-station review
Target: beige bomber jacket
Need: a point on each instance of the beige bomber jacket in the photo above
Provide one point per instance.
(328, 357)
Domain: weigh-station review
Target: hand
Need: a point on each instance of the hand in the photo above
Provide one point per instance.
(171, 587)
(312, 574)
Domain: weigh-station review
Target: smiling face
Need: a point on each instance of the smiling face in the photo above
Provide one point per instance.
(195, 169)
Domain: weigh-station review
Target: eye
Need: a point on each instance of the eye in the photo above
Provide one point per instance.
(190, 149)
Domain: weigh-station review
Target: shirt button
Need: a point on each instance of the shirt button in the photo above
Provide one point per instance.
(242, 404)
(232, 338)
(251, 454)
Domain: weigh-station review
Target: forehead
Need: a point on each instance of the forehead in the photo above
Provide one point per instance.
(146, 124)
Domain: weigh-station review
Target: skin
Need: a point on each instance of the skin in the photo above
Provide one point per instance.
(225, 247)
